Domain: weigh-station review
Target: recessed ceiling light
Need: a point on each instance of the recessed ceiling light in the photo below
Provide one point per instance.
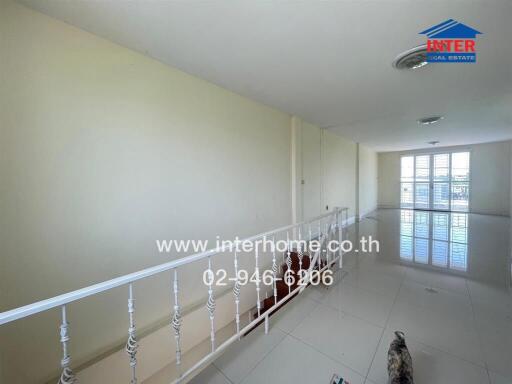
(412, 59)
(430, 120)
(435, 142)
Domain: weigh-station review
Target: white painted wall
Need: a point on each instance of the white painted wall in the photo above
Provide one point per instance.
(104, 150)
(328, 163)
(311, 170)
(339, 170)
(368, 179)
(388, 180)
(490, 177)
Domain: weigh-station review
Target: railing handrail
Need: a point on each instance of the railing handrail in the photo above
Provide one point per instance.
(44, 305)
(265, 316)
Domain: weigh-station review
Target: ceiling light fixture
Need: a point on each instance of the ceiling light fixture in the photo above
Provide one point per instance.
(435, 142)
(430, 120)
(412, 59)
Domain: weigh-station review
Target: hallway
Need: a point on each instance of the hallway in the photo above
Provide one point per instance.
(454, 307)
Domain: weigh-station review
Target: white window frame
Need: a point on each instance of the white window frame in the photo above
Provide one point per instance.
(431, 182)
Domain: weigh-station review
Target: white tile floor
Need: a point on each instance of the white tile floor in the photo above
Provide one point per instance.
(459, 329)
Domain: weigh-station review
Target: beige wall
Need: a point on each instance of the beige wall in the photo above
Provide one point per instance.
(490, 177)
(388, 180)
(368, 179)
(327, 167)
(329, 171)
(103, 151)
(339, 160)
(311, 170)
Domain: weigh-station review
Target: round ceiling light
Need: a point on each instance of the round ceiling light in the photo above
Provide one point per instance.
(435, 142)
(430, 120)
(412, 59)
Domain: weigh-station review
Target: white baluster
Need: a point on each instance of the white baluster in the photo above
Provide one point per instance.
(283, 262)
(257, 273)
(340, 237)
(210, 305)
(274, 267)
(131, 344)
(67, 376)
(327, 238)
(176, 318)
(288, 260)
(309, 243)
(320, 239)
(300, 251)
(236, 292)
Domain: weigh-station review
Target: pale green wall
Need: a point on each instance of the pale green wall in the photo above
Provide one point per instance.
(311, 170)
(104, 150)
(490, 177)
(329, 173)
(368, 178)
(339, 160)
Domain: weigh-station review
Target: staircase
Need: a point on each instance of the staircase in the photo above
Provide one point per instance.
(322, 228)
(282, 288)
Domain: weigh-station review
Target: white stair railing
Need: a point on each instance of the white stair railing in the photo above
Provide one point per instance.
(331, 222)
(67, 376)
(131, 344)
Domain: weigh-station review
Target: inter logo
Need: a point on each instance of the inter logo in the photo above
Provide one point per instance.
(451, 42)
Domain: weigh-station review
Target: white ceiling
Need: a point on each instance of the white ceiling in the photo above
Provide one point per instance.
(328, 62)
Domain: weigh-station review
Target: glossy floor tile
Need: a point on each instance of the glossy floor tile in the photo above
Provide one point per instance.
(293, 362)
(369, 305)
(345, 338)
(210, 375)
(431, 366)
(239, 360)
(444, 331)
(437, 300)
(371, 280)
(288, 318)
(442, 279)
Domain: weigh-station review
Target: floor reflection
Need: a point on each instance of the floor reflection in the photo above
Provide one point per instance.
(438, 239)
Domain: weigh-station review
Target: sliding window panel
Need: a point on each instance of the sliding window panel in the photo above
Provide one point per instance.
(440, 253)
(422, 224)
(422, 195)
(407, 168)
(440, 226)
(459, 256)
(460, 196)
(459, 228)
(406, 195)
(460, 166)
(406, 247)
(422, 182)
(421, 250)
(422, 168)
(441, 196)
(406, 223)
(407, 182)
(460, 178)
(441, 167)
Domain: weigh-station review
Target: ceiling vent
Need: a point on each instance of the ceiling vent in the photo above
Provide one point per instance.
(430, 120)
(412, 59)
